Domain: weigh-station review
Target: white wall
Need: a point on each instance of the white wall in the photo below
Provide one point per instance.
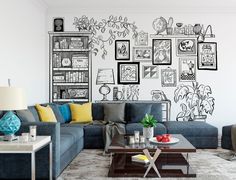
(221, 81)
(23, 40)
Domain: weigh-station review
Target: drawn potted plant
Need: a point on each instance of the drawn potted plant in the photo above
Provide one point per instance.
(198, 102)
(148, 122)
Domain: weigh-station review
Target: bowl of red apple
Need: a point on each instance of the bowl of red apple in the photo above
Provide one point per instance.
(164, 139)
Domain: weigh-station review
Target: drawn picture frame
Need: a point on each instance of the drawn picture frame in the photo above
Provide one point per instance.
(58, 24)
(187, 69)
(207, 56)
(122, 49)
(142, 54)
(141, 39)
(186, 46)
(161, 51)
(128, 73)
(168, 77)
(150, 72)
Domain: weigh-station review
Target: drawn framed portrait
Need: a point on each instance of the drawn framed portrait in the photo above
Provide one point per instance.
(128, 73)
(161, 52)
(143, 54)
(187, 69)
(207, 56)
(141, 39)
(150, 72)
(122, 49)
(168, 77)
(186, 46)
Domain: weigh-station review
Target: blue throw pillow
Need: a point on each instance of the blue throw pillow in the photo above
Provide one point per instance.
(65, 112)
(138, 111)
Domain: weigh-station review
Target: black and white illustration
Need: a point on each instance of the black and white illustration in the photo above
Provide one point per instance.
(161, 50)
(58, 24)
(186, 46)
(168, 77)
(77, 93)
(105, 31)
(150, 72)
(158, 95)
(187, 69)
(122, 50)
(128, 73)
(141, 39)
(207, 56)
(143, 54)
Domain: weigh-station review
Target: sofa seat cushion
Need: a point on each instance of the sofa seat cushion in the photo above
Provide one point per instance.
(76, 132)
(191, 128)
(66, 142)
(131, 127)
(93, 130)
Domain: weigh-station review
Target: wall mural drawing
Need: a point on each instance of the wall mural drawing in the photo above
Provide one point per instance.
(207, 56)
(129, 93)
(128, 73)
(198, 102)
(168, 77)
(122, 50)
(161, 50)
(112, 27)
(150, 72)
(58, 24)
(158, 95)
(186, 46)
(187, 69)
(141, 39)
(142, 54)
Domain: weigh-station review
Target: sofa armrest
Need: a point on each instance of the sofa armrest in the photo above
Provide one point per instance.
(47, 129)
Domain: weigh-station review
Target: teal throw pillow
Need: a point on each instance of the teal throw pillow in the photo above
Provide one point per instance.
(65, 112)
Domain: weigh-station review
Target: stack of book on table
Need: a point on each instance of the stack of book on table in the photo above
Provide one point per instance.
(140, 159)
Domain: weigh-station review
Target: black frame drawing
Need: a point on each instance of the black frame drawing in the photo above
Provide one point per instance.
(144, 56)
(209, 53)
(134, 68)
(161, 48)
(141, 39)
(189, 47)
(127, 48)
(187, 69)
(168, 77)
(58, 24)
(150, 72)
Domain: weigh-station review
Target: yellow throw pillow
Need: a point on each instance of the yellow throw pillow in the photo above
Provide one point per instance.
(45, 113)
(81, 113)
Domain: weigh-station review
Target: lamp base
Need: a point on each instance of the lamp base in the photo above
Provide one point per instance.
(104, 90)
(10, 137)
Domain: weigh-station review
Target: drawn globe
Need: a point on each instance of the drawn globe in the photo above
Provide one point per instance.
(159, 25)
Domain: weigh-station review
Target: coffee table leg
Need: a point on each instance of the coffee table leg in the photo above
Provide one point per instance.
(111, 158)
(152, 161)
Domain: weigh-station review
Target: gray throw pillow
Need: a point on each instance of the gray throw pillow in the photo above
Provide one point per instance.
(25, 116)
(114, 112)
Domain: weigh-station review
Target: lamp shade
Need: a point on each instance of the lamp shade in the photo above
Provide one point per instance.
(105, 76)
(12, 98)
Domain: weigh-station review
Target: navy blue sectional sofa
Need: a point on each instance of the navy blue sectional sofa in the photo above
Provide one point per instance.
(226, 142)
(69, 139)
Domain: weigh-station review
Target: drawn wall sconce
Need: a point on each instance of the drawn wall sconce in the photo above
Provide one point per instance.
(104, 77)
(201, 37)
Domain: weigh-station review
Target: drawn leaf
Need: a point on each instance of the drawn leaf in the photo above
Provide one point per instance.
(183, 107)
(208, 105)
(120, 18)
(192, 99)
(103, 30)
(181, 92)
(110, 17)
(204, 90)
(110, 41)
(125, 19)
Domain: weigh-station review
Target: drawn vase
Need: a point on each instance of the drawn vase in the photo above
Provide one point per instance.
(148, 132)
(197, 29)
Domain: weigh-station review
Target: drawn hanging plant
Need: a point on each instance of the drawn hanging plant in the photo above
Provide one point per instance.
(115, 27)
(198, 101)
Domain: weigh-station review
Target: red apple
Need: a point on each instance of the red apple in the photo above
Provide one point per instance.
(159, 138)
(165, 139)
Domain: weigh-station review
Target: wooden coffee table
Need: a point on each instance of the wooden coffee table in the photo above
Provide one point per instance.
(172, 162)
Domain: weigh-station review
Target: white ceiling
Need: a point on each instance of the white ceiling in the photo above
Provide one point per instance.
(146, 5)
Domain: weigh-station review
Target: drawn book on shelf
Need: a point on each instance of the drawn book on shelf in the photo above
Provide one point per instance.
(140, 158)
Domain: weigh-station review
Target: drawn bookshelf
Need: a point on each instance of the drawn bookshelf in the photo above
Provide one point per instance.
(70, 67)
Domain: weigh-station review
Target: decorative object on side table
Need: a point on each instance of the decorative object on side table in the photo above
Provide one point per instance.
(11, 98)
(148, 122)
(198, 101)
(104, 77)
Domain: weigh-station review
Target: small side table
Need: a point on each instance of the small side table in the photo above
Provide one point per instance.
(16, 147)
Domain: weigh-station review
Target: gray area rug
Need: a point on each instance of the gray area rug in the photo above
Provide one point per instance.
(92, 164)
